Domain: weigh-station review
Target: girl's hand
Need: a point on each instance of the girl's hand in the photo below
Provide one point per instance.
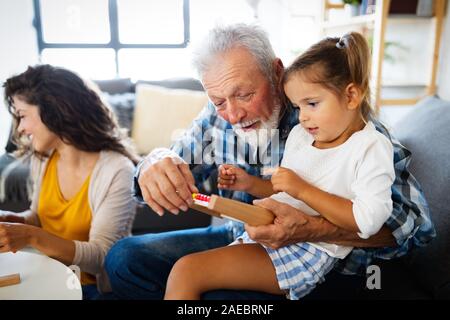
(286, 180)
(233, 178)
(14, 236)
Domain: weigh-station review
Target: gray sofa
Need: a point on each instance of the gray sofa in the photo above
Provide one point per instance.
(422, 274)
(426, 132)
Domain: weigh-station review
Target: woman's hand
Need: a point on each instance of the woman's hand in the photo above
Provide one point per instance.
(14, 236)
(286, 180)
(233, 178)
(7, 216)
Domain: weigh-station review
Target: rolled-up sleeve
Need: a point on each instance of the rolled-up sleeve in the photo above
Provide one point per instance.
(188, 149)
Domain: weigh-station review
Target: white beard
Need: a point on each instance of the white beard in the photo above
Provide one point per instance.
(259, 138)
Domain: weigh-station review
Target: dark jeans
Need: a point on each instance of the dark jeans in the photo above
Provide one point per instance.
(90, 292)
(138, 267)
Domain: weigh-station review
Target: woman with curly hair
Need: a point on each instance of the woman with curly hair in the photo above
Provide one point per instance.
(82, 169)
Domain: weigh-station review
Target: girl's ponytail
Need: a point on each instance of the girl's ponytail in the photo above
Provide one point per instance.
(358, 59)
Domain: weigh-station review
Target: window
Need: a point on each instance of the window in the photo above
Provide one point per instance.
(303, 18)
(162, 63)
(92, 37)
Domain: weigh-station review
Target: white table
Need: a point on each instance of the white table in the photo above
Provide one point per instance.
(42, 278)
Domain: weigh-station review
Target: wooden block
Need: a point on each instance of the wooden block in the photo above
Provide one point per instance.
(227, 208)
(9, 280)
(253, 215)
(205, 210)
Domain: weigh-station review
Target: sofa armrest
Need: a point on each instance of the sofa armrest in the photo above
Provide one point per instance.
(15, 185)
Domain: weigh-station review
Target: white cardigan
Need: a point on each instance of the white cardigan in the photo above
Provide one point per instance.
(112, 207)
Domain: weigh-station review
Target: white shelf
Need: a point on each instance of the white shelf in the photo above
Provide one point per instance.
(411, 21)
(399, 83)
(407, 18)
(377, 24)
(367, 19)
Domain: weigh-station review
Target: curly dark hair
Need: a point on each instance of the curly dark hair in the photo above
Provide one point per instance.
(69, 108)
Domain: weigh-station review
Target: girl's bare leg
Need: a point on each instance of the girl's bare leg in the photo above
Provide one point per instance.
(238, 267)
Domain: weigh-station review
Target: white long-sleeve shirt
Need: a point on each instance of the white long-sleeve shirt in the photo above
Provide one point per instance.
(361, 170)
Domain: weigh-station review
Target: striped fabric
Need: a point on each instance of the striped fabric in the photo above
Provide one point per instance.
(299, 267)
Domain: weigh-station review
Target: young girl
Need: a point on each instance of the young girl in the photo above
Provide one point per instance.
(335, 164)
(82, 170)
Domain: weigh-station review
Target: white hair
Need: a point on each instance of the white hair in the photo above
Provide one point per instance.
(223, 38)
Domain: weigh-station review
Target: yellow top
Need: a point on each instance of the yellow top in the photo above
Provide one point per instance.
(68, 219)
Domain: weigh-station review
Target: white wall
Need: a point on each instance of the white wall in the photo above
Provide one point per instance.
(416, 61)
(284, 20)
(412, 62)
(18, 49)
(444, 67)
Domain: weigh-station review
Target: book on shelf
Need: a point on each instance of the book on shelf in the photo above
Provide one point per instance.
(368, 7)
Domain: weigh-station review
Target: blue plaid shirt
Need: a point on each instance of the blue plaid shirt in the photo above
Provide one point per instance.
(208, 143)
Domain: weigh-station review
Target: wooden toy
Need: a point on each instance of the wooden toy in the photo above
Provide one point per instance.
(232, 209)
(9, 280)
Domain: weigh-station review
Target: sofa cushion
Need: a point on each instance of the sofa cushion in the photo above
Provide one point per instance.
(122, 105)
(425, 131)
(115, 86)
(15, 185)
(161, 115)
(176, 83)
(10, 145)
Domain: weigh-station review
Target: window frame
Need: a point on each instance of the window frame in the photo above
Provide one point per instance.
(114, 42)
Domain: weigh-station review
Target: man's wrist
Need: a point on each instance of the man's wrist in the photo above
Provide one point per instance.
(160, 153)
(318, 229)
(326, 231)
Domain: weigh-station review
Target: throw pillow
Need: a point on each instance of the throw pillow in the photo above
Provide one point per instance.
(160, 113)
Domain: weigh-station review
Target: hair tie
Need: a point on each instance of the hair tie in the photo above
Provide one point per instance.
(342, 43)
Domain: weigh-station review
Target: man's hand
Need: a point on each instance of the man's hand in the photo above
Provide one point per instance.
(167, 185)
(286, 180)
(292, 226)
(233, 178)
(287, 228)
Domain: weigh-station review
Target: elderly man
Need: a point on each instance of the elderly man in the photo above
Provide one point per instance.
(241, 76)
